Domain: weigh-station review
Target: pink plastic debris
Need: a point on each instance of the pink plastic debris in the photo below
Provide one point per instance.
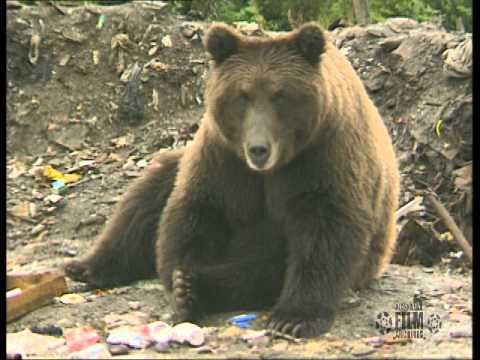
(188, 333)
(97, 351)
(81, 338)
(133, 337)
(159, 332)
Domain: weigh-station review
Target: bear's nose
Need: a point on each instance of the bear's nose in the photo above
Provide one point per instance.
(259, 154)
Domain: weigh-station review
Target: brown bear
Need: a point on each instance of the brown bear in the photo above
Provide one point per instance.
(286, 197)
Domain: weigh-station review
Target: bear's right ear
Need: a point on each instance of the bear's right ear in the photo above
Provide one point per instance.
(221, 42)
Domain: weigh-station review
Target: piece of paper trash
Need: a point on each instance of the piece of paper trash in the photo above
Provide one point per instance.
(188, 333)
(72, 299)
(50, 173)
(81, 338)
(58, 184)
(130, 336)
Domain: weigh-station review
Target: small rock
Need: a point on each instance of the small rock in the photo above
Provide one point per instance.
(375, 341)
(38, 195)
(134, 305)
(363, 350)
(204, 350)
(166, 316)
(142, 163)
(53, 198)
(66, 323)
(118, 349)
(47, 330)
(167, 41)
(37, 229)
(162, 347)
(461, 333)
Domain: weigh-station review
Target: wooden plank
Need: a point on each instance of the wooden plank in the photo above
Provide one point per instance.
(34, 294)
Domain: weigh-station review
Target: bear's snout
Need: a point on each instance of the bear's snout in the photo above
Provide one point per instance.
(259, 154)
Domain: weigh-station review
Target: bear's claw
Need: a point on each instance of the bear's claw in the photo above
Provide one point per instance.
(297, 326)
(76, 270)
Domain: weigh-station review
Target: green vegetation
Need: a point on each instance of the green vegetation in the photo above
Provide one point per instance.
(285, 14)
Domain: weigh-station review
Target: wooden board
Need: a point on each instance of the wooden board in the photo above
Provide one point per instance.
(38, 289)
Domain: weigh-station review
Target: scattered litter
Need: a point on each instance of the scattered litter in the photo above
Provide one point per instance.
(101, 21)
(134, 305)
(37, 229)
(153, 50)
(393, 340)
(132, 318)
(375, 341)
(26, 343)
(50, 173)
(363, 350)
(37, 289)
(95, 219)
(159, 332)
(242, 321)
(15, 355)
(81, 338)
(53, 330)
(118, 349)
(96, 57)
(188, 333)
(460, 333)
(162, 347)
(253, 334)
(97, 351)
(53, 198)
(205, 350)
(72, 299)
(142, 163)
(167, 41)
(130, 336)
(14, 292)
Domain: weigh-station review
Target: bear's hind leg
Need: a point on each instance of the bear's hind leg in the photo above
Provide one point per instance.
(125, 251)
(379, 255)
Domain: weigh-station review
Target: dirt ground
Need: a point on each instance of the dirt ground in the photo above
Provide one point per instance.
(68, 70)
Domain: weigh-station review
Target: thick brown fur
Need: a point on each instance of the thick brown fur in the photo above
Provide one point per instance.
(294, 226)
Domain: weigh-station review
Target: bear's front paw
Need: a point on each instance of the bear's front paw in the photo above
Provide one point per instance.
(77, 270)
(298, 324)
(85, 271)
(183, 296)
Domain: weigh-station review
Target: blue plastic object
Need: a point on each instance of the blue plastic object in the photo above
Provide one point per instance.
(58, 184)
(242, 321)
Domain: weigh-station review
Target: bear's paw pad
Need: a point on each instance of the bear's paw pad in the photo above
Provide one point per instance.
(183, 295)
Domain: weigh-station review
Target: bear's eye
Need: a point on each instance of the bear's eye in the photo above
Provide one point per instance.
(243, 98)
(280, 97)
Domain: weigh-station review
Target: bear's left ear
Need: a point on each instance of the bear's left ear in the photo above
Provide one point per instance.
(309, 41)
(221, 42)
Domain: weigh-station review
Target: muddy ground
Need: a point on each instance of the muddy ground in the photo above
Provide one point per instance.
(67, 71)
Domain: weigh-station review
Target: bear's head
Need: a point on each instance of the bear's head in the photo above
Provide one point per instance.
(262, 93)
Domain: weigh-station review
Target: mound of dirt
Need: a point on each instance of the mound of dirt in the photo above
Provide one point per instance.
(94, 91)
